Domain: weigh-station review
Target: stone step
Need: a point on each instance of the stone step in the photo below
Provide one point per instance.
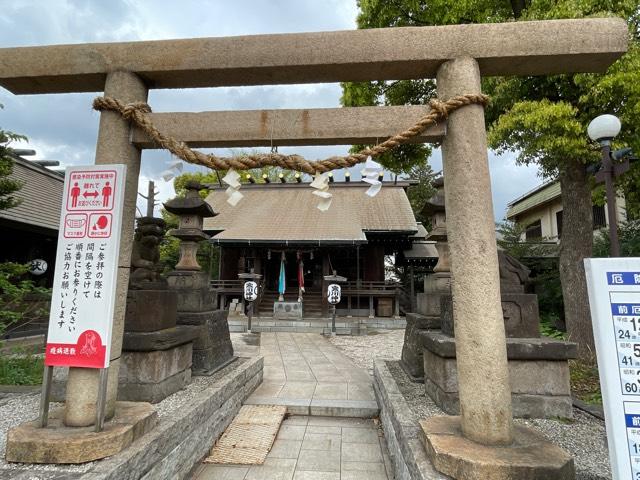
(321, 408)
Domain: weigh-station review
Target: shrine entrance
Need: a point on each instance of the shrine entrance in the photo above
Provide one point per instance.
(456, 55)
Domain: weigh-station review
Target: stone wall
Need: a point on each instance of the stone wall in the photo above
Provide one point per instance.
(401, 430)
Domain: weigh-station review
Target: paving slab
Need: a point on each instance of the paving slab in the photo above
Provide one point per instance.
(311, 376)
(316, 448)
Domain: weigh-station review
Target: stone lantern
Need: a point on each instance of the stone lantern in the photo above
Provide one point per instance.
(436, 286)
(191, 211)
(434, 208)
(212, 348)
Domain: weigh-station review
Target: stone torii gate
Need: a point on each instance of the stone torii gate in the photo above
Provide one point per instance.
(456, 55)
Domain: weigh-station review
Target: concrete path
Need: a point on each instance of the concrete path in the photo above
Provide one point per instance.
(312, 377)
(316, 448)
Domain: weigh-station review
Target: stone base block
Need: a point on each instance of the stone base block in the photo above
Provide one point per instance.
(160, 339)
(154, 392)
(212, 348)
(194, 294)
(153, 376)
(529, 457)
(154, 367)
(523, 405)
(540, 386)
(150, 310)
(287, 310)
(411, 359)
(56, 443)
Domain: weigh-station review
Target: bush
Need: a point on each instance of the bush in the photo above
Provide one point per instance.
(628, 235)
(16, 294)
(21, 370)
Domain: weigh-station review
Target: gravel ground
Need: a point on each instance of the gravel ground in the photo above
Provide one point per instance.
(17, 409)
(377, 344)
(584, 436)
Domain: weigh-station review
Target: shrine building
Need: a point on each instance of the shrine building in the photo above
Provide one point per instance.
(278, 231)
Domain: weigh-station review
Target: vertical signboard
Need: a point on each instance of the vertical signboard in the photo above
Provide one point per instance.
(614, 297)
(84, 284)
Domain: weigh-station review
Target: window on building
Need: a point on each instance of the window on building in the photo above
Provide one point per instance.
(599, 218)
(559, 223)
(533, 231)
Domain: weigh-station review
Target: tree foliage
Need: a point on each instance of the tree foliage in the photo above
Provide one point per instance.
(629, 238)
(421, 192)
(541, 119)
(8, 186)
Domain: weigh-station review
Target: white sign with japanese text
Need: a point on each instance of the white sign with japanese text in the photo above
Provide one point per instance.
(614, 297)
(84, 283)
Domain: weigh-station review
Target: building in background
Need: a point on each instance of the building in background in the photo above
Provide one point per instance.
(540, 212)
(277, 231)
(30, 230)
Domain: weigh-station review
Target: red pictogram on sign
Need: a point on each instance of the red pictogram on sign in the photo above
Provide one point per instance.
(99, 225)
(91, 190)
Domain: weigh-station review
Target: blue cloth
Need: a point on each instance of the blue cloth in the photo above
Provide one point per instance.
(282, 281)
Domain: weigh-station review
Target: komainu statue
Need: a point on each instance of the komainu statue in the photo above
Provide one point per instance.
(145, 255)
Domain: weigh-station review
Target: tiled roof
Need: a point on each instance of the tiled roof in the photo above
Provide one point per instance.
(40, 195)
(288, 213)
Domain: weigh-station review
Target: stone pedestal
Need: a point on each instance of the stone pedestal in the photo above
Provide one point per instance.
(538, 375)
(156, 353)
(529, 456)
(411, 359)
(538, 367)
(212, 348)
(150, 310)
(28, 443)
(428, 318)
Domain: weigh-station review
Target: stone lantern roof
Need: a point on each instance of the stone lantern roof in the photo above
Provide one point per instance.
(191, 203)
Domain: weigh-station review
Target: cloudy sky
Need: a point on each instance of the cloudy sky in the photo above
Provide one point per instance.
(64, 127)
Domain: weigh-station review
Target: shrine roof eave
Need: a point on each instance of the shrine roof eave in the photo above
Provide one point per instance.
(286, 243)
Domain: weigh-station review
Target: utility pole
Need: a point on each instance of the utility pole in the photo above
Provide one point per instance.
(150, 197)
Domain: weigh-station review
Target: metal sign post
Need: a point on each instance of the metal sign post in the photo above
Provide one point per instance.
(45, 395)
(334, 295)
(250, 290)
(614, 297)
(84, 283)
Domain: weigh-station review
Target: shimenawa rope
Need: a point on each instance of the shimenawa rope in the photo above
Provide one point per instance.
(137, 114)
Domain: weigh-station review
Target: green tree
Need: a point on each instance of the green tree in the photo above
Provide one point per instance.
(419, 193)
(15, 287)
(8, 186)
(543, 119)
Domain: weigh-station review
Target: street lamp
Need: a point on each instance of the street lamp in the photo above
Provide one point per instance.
(603, 129)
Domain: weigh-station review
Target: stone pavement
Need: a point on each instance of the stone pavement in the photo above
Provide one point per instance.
(312, 377)
(316, 448)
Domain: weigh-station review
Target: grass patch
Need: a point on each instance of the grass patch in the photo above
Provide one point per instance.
(21, 370)
(585, 382)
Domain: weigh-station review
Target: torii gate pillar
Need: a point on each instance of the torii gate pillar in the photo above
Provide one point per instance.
(481, 351)
(482, 442)
(114, 146)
